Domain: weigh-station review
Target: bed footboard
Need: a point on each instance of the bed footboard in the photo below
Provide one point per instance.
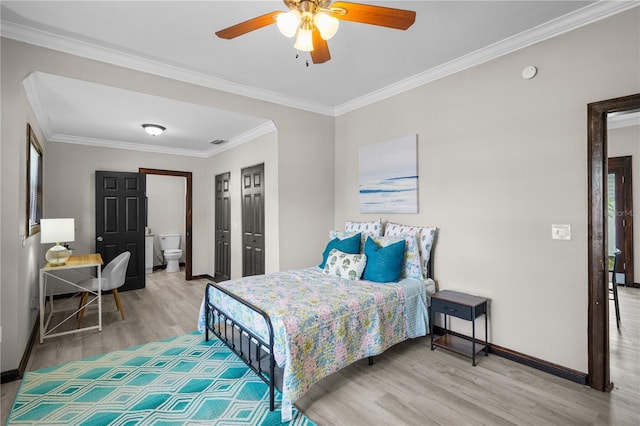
(250, 347)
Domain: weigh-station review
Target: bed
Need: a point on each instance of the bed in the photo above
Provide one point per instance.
(294, 328)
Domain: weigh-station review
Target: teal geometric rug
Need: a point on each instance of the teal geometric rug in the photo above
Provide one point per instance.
(178, 381)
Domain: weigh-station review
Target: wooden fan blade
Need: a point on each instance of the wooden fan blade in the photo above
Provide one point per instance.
(248, 26)
(320, 53)
(399, 19)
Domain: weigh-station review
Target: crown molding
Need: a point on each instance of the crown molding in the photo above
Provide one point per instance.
(30, 89)
(106, 143)
(581, 17)
(254, 133)
(84, 49)
(247, 136)
(571, 21)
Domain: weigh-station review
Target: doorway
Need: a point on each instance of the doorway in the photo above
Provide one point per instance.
(620, 217)
(188, 274)
(598, 286)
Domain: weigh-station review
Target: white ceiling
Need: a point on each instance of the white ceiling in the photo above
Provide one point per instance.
(76, 111)
(176, 39)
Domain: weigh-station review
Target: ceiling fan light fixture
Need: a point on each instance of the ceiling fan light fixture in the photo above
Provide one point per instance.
(313, 22)
(153, 129)
(304, 41)
(288, 23)
(327, 25)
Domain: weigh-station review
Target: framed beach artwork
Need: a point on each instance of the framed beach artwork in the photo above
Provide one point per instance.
(389, 176)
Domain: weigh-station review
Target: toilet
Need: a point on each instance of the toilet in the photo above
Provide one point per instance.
(170, 245)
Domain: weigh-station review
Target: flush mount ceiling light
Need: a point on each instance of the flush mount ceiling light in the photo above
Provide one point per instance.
(313, 22)
(153, 129)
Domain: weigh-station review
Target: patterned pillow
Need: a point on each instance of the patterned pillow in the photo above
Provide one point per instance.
(411, 264)
(345, 265)
(371, 228)
(425, 235)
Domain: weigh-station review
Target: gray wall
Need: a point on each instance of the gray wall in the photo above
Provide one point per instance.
(263, 149)
(501, 159)
(75, 167)
(305, 190)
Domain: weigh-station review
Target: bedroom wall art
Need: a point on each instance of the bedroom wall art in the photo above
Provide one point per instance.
(389, 176)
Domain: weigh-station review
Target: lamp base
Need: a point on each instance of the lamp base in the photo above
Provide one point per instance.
(57, 255)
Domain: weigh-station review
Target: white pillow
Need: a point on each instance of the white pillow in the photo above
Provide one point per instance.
(344, 265)
(370, 228)
(425, 235)
(333, 234)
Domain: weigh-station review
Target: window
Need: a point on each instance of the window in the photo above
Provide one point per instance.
(34, 183)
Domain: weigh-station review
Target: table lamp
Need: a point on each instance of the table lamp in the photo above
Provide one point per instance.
(57, 231)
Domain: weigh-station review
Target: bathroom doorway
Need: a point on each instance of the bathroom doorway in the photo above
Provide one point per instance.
(188, 202)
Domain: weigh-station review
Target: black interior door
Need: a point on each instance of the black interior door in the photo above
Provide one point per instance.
(253, 220)
(223, 228)
(120, 221)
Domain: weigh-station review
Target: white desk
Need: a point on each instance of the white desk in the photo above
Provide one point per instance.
(64, 286)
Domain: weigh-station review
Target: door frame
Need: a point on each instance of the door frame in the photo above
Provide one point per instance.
(598, 282)
(188, 274)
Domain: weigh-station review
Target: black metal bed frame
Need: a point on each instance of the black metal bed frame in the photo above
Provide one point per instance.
(219, 322)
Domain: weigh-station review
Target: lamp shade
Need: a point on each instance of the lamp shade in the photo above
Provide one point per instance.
(57, 230)
(304, 41)
(288, 23)
(327, 25)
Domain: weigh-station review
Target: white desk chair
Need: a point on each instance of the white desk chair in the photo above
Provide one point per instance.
(113, 277)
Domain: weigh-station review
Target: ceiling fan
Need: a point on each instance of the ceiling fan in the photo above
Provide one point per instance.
(313, 22)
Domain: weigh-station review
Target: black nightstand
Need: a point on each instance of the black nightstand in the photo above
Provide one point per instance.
(466, 307)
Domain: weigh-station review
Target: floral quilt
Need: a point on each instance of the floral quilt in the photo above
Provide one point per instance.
(322, 323)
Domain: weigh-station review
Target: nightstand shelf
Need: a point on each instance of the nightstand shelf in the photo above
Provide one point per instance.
(458, 344)
(463, 306)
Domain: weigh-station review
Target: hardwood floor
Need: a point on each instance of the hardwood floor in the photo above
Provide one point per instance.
(167, 307)
(408, 384)
(624, 344)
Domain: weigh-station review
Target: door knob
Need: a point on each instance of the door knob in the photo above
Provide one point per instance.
(99, 238)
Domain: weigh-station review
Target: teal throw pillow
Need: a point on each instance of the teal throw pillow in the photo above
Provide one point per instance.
(349, 245)
(384, 264)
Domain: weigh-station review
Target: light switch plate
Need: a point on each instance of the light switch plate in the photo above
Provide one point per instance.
(561, 232)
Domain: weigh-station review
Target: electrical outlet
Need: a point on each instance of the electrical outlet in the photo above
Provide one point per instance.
(34, 303)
